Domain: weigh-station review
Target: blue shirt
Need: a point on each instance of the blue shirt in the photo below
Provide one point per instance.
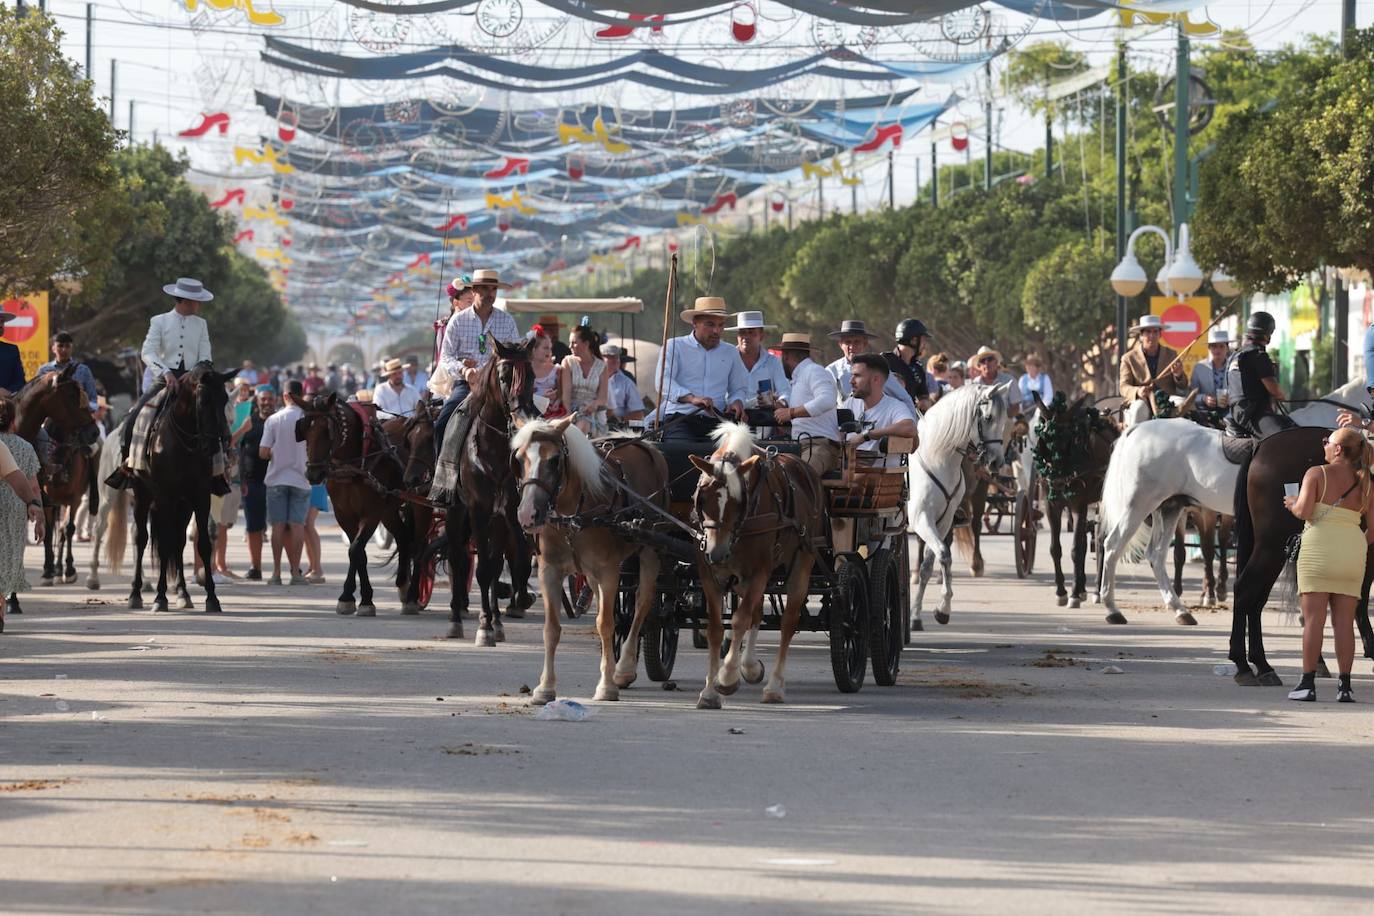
(1030, 386)
(82, 375)
(622, 396)
(1369, 356)
(718, 374)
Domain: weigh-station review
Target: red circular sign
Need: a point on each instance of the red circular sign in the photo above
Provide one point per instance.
(25, 323)
(1182, 324)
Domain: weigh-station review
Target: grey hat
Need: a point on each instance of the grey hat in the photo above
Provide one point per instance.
(618, 352)
(188, 288)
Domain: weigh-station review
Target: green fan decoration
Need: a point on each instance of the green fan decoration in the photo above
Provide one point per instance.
(1063, 451)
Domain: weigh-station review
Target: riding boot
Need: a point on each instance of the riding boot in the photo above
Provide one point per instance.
(120, 478)
(219, 485)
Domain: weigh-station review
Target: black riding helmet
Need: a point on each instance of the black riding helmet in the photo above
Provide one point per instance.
(1260, 324)
(908, 328)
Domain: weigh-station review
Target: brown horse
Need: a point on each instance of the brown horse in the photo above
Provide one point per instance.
(57, 402)
(362, 462)
(757, 513)
(1213, 535)
(564, 487)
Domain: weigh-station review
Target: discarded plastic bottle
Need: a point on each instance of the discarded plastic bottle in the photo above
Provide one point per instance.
(563, 711)
(775, 811)
(1226, 670)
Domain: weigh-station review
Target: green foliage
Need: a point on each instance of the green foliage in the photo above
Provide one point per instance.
(1030, 70)
(1063, 446)
(1064, 297)
(55, 144)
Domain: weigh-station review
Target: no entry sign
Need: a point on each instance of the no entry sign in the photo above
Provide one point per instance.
(1183, 321)
(25, 322)
(29, 329)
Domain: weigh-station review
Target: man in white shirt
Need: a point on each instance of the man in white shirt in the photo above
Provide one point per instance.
(854, 338)
(879, 413)
(701, 375)
(810, 407)
(394, 396)
(623, 399)
(470, 341)
(761, 365)
(288, 489)
(175, 343)
(987, 370)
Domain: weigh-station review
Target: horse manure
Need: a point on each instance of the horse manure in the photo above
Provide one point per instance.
(1054, 660)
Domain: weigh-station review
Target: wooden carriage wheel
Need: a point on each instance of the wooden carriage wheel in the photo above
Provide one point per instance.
(1024, 529)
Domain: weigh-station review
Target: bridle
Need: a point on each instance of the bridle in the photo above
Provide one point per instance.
(750, 504)
(337, 424)
(555, 489)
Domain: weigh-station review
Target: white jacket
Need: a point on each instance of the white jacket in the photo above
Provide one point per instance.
(175, 340)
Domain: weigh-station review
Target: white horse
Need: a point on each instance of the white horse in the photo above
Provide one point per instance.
(1158, 469)
(973, 417)
(112, 516)
(1324, 410)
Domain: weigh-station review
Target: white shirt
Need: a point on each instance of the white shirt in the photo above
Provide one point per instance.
(886, 412)
(717, 374)
(397, 403)
(840, 371)
(768, 367)
(287, 467)
(175, 340)
(814, 389)
(622, 396)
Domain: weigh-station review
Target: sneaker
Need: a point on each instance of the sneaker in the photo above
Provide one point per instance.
(1303, 693)
(298, 579)
(222, 580)
(275, 580)
(1344, 695)
(254, 574)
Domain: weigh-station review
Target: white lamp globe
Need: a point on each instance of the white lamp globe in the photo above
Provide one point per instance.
(1162, 280)
(1129, 278)
(1185, 276)
(1225, 284)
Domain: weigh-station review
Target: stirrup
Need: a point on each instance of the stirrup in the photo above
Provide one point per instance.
(119, 479)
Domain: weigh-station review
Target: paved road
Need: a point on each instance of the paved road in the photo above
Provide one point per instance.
(282, 759)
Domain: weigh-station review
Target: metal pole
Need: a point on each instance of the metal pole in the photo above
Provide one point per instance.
(1347, 27)
(131, 122)
(1182, 81)
(1120, 194)
(1340, 357)
(853, 198)
(892, 182)
(820, 198)
(90, 46)
(934, 176)
(113, 69)
(987, 126)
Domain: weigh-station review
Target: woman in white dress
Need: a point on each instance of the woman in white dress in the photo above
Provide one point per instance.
(545, 371)
(583, 381)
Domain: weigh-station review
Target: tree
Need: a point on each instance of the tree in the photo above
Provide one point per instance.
(55, 144)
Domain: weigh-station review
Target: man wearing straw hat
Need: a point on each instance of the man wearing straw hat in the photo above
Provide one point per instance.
(767, 380)
(470, 341)
(810, 406)
(393, 396)
(623, 399)
(1141, 366)
(1209, 376)
(701, 378)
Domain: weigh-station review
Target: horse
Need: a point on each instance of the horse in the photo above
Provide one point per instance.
(481, 507)
(1072, 445)
(362, 463)
(1158, 469)
(1214, 534)
(757, 512)
(565, 486)
(1263, 527)
(968, 422)
(58, 401)
(175, 486)
(118, 536)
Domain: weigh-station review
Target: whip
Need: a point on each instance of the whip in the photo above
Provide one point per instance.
(663, 347)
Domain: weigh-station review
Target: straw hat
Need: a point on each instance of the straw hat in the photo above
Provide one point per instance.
(706, 307)
(392, 365)
(800, 342)
(983, 353)
(746, 321)
(364, 395)
(488, 277)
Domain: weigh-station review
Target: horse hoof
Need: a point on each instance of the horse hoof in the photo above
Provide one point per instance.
(1185, 619)
(708, 702)
(1221, 595)
(455, 631)
(1116, 617)
(161, 607)
(1061, 600)
(1075, 603)
(942, 617)
(756, 679)
(1271, 678)
(917, 626)
(212, 606)
(606, 695)
(772, 696)
(69, 578)
(486, 638)
(410, 609)
(45, 582)
(727, 689)
(523, 602)
(625, 680)
(185, 603)
(542, 696)
(93, 584)
(515, 612)
(345, 607)
(1246, 678)
(135, 602)
(367, 610)
(1322, 670)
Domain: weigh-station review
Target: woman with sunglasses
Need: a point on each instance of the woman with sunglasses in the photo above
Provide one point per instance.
(1331, 560)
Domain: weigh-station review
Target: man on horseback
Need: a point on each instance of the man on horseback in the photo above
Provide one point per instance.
(700, 374)
(904, 362)
(176, 341)
(810, 405)
(470, 342)
(1140, 370)
(62, 343)
(879, 413)
(1252, 381)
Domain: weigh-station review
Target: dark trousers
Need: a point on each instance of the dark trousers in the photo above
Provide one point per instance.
(692, 426)
(460, 391)
(1266, 424)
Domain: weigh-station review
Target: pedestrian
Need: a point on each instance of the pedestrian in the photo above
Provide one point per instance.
(20, 503)
(333, 381)
(248, 373)
(1331, 559)
(313, 383)
(582, 381)
(11, 363)
(288, 490)
(1034, 381)
(319, 502)
(253, 473)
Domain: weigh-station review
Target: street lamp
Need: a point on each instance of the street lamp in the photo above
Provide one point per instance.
(1180, 274)
(1129, 278)
(1184, 275)
(1225, 284)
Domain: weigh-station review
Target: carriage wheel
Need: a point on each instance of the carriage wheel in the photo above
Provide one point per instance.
(906, 590)
(624, 616)
(848, 623)
(658, 645)
(885, 614)
(427, 572)
(1024, 530)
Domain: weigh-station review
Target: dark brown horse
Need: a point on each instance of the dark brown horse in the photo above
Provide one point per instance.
(1213, 535)
(175, 486)
(1263, 527)
(481, 508)
(757, 513)
(362, 462)
(565, 485)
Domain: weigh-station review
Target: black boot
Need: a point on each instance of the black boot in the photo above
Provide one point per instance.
(219, 485)
(120, 479)
(1306, 691)
(1343, 692)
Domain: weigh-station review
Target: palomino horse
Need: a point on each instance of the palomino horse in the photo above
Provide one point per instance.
(564, 487)
(969, 421)
(1158, 469)
(183, 442)
(757, 513)
(1072, 445)
(118, 536)
(362, 463)
(482, 506)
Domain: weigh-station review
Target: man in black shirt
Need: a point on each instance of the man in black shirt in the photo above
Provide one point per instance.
(253, 473)
(904, 361)
(1252, 373)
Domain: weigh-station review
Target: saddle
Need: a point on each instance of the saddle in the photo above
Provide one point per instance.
(444, 487)
(1237, 449)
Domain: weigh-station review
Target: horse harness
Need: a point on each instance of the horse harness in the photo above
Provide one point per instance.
(375, 446)
(784, 516)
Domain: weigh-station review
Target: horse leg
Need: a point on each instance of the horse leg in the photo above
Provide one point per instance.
(750, 607)
(68, 540)
(604, 574)
(980, 508)
(488, 568)
(100, 524)
(458, 570)
(1206, 535)
(140, 546)
(521, 560)
(549, 574)
(419, 521)
(715, 635)
(49, 573)
(645, 595)
(183, 593)
(1114, 543)
(1057, 553)
(206, 548)
(1166, 524)
(357, 569)
(1079, 516)
(163, 562)
(1180, 551)
(798, 583)
(1224, 524)
(1253, 584)
(920, 577)
(927, 532)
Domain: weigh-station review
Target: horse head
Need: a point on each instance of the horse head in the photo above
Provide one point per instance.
(209, 392)
(724, 498)
(552, 454)
(511, 380)
(323, 429)
(418, 437)
(59, 397)
(993, 418)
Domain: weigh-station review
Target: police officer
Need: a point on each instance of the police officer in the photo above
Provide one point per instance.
(1251, 374)
(904, 361)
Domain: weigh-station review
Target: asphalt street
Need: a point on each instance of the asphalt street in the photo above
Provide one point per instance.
(279, 758)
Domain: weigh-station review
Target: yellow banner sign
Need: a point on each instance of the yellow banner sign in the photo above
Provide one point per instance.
(29, 329)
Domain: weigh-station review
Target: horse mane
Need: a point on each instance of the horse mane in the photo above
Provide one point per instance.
(950, 421)
(582, 455)
(733, 439)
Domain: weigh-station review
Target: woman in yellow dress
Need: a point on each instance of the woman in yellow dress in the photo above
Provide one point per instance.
(1331, 561)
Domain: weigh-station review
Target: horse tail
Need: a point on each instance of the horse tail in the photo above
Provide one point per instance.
(1117, 491)
(116, 511)
(963, 542)
(1244, 526)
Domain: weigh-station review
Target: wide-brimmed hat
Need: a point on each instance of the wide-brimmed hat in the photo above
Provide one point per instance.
(618, 352)
(243, 380)
(800, 342)
(706, 307)
(983, 353)
(391, 366)
(488, 277)
(188, 288)
(853, 327)
(550, 319)
(1219, 335)
(1147, 323)
(746, 321)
